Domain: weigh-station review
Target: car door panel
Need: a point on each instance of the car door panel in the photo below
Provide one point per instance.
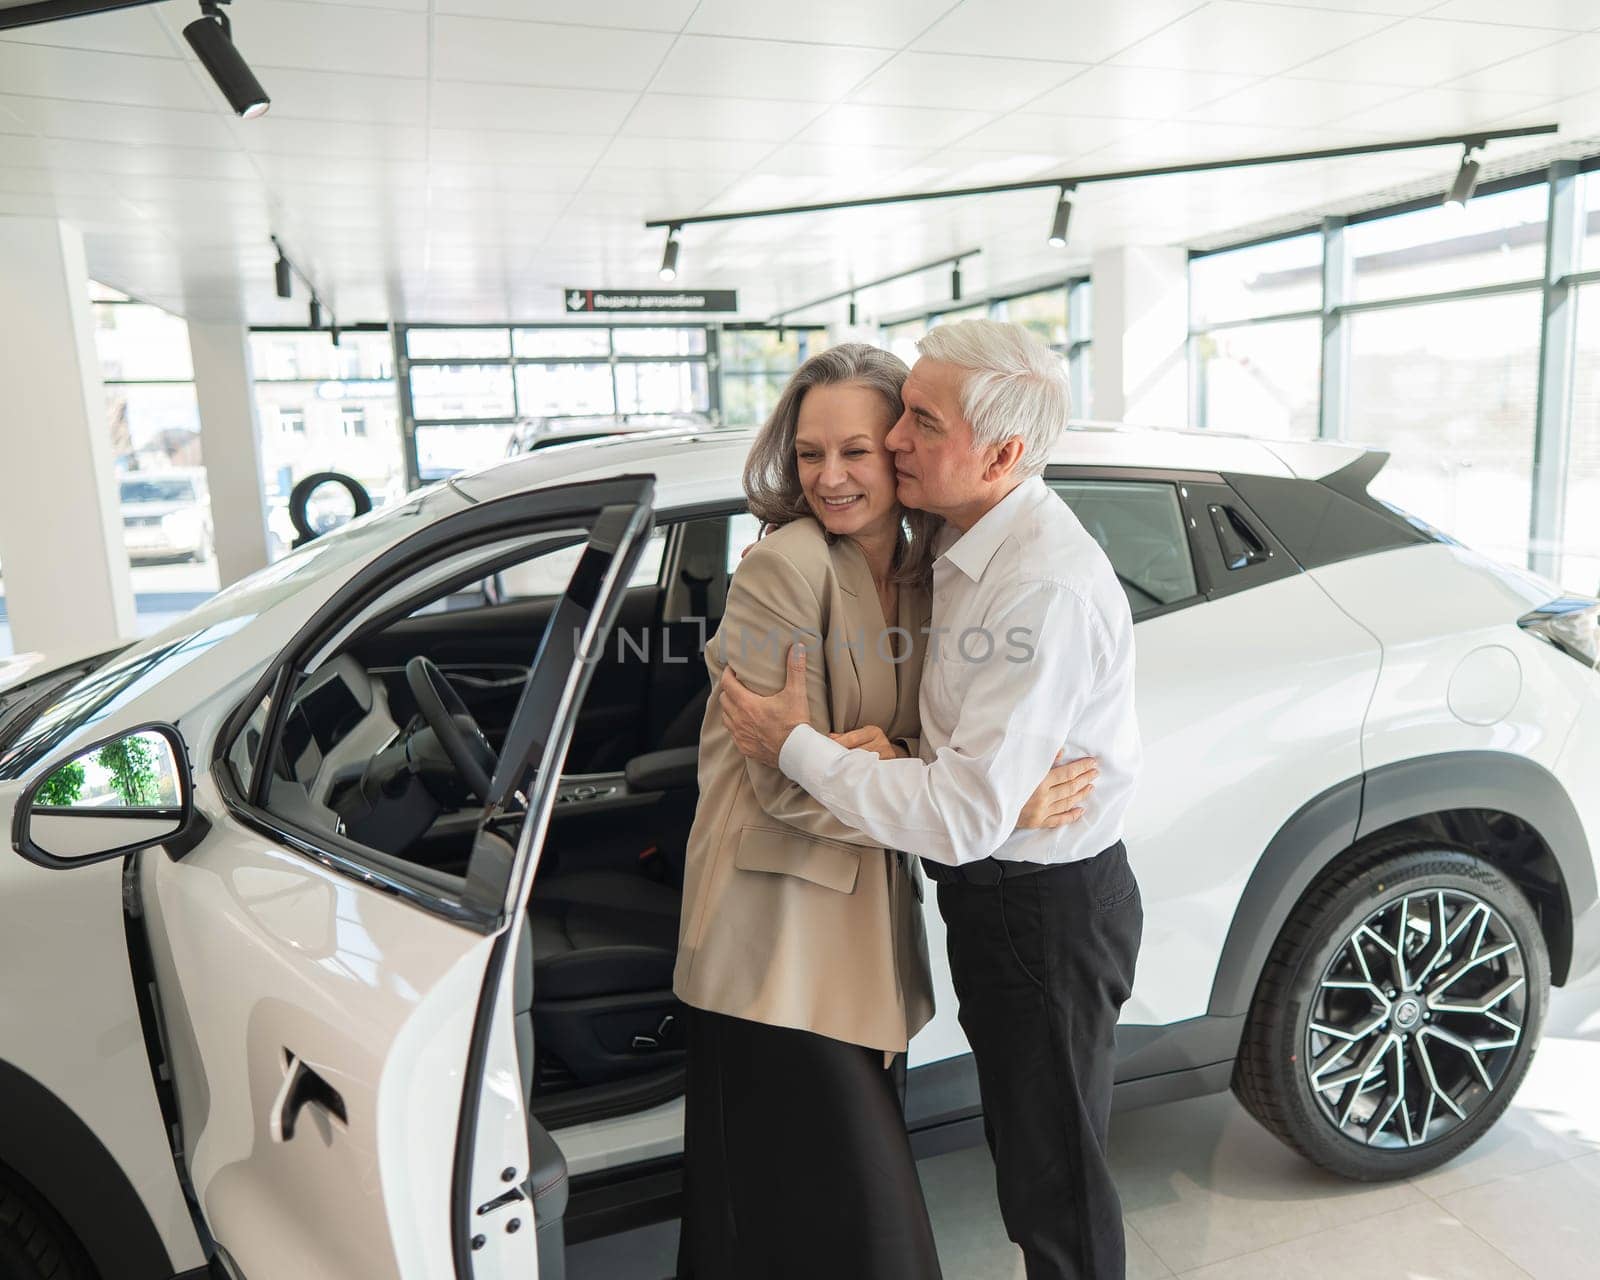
(341, 1032)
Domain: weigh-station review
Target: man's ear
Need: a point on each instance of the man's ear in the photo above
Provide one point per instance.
(1004, 459)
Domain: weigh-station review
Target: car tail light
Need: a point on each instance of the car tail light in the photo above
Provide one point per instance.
(1571, 623)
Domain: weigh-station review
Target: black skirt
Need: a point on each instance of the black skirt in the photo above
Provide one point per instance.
(796, 1160)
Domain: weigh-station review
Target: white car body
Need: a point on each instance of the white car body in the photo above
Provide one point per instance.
(1397, 673)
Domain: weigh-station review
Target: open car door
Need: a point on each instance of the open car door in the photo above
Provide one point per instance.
(347, 1068)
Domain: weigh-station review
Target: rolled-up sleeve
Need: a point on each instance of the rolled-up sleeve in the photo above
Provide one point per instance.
(1018, 708)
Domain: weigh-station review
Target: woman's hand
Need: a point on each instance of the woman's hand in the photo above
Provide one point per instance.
(1059, 798)
(869, 738)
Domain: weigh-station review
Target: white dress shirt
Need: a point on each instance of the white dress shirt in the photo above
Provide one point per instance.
(1030, 653)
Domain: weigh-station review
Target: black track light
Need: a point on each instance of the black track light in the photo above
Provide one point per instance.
(669, 259)
(316, 313)
(1466, 180)
(211, 37)
(852, 312)
(333, 333)
(1058, 227)
(955, 283)
(285, 279)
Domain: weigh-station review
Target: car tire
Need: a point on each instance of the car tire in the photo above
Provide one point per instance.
(1376, 1065)
(34, 1243)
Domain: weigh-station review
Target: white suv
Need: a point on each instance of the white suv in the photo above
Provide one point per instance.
(333, 902)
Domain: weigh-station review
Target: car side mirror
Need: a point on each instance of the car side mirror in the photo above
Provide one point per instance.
(123, 794)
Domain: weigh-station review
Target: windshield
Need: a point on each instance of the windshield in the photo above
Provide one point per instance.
(165, 489)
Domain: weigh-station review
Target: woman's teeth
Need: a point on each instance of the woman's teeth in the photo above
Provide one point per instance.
(838, 504)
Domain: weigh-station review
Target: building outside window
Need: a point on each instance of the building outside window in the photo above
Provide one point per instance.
(154, 423)
(325, 408)
(756, 366)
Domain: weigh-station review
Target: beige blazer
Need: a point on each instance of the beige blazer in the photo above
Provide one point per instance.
(790, 917)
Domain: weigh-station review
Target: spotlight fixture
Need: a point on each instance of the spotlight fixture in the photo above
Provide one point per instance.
(1466, 180)
(333, 333)
(955, 283)
(669, 259)
(211, 37)
(1058, 227)
(285, 280)
(316, 313)
(852, 311)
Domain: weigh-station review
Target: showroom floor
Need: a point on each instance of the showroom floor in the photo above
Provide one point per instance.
(1209, 1194)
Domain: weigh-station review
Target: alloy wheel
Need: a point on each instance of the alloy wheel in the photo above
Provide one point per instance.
(1416, 1019)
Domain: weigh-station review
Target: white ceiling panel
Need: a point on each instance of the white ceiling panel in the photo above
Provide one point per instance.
(866, 124)
(85, 75)
(805, 160)
(1423, 51)
(1138, 93)
(476, 146)
(642, 15)
(1565, 15)
(286, 136)
(333, 95)
(457, 104)
(102, 121)
(956, 80)
(292, 33)
(545, 53)
(1431, 111)
(764, 68)
(1066, 30)
(1250, 39)
(120, 31)
(1554, 71)
(686, 153)
(1394, 8)
(670, 115)
(1297, 102)
(500, 177)
(176, 162)
(884, 24)
(1062, 136)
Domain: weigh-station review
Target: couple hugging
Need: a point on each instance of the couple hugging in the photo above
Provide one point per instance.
(983, 735)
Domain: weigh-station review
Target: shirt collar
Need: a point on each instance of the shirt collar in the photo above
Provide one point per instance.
(972, 551)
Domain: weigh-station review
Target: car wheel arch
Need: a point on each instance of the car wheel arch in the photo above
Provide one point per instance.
(1439, 795)
(46, 1144)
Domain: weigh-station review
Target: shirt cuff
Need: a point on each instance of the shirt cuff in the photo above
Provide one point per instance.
(807, 755)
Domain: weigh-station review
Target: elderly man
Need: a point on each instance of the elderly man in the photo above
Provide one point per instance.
(1030, 660)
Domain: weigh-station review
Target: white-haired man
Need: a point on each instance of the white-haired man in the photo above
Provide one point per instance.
(1030, 661)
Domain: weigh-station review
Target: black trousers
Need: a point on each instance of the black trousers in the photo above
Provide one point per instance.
(1042, 963)
(796, 1160)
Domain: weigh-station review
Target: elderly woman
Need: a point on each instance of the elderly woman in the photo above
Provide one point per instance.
(801, 952)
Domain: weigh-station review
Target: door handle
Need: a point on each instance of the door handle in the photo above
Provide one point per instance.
(301, 1085)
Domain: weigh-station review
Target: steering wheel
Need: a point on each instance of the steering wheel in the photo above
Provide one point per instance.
(453, 725)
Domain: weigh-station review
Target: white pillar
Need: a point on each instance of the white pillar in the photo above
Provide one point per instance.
(230, 443)
(1141, 335)
(66, 572)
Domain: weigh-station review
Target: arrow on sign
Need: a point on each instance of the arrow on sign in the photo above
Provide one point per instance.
(575, 301)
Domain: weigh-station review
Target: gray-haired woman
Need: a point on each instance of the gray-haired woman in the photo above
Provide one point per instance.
(801, 953)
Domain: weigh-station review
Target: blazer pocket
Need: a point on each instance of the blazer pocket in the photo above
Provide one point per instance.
(789, 853)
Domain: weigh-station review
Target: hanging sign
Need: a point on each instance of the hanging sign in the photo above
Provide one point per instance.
(586, 300)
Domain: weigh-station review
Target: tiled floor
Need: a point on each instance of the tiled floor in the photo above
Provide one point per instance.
(1209, 1194)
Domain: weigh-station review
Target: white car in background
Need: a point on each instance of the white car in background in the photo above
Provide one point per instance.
(166, 515)
(338, 936)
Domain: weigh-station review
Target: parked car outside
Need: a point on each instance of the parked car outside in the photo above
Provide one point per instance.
(166, 515)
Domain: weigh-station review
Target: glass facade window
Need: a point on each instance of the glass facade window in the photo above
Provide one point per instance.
(561, 342)
(1043, 314)
(659, 386)
(154, 423)
(1579, 565)
(1260, 379)
(659, 342)
(1449, 388)
(462, 391)
(1496, 239)
(453, 344)
(445, 449)
(979, 312)
(902, 338)
(325, 408)
(545, 390)
(1278, 278)
(756, 366)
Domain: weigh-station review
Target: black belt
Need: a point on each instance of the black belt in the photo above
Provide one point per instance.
(990, 870)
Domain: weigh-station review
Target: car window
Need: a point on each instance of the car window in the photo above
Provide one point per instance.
(743, 529)
(546, 576)
(1140, 526)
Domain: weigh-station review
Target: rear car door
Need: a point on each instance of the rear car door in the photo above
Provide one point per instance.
(339, 1029)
